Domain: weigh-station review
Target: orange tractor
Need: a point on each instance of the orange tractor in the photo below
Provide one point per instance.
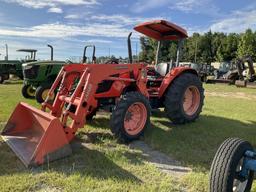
(128, 91)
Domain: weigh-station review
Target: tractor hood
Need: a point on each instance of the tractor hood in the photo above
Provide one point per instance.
(30, 64)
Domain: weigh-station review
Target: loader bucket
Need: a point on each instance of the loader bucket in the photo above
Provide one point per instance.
(240, 83)
(35, 136)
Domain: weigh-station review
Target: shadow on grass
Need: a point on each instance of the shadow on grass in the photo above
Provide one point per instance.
(100, 122)
(85, 161)
(13, 82)
(195, 144)
(95, 137)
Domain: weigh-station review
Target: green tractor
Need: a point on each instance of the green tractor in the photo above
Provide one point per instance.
(14, 67)
(39, 76)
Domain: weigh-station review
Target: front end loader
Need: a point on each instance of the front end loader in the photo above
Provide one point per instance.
(248, 80)
(127, 91)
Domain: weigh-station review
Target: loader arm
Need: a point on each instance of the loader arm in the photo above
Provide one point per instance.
(84, 96)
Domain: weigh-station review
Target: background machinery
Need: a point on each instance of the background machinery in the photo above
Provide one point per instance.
(40, 75)
(14, 67)
(247, 76)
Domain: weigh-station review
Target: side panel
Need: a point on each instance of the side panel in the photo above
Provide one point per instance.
(171, 76)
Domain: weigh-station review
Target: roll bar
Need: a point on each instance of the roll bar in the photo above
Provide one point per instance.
(93, 53)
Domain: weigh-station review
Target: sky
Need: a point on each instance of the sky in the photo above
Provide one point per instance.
(69, 25)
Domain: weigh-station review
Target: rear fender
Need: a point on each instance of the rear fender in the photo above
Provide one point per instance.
(173, 74)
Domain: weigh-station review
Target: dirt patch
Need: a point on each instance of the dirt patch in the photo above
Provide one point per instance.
(163, 162)
(44, 188)
(237, 95)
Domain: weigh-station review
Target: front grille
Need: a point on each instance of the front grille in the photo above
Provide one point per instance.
(31, 73)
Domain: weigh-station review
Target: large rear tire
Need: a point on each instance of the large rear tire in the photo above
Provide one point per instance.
(28, 91)
(42, 92)
(184, 99)
(226, 165)
(130, 117)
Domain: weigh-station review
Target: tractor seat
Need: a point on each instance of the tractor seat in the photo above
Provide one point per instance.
(163, 68)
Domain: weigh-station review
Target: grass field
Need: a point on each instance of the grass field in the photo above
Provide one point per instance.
(101, 164)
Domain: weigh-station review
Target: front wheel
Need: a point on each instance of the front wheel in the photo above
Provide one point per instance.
(42, 93)
(184, 99)
(28, 91)
(130, 117)
(227, 165)
(1, 79)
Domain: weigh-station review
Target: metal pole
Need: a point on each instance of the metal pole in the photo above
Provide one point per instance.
(7, 54)
(195, 52)
(158, 52)
(179, 52)
(137, 52)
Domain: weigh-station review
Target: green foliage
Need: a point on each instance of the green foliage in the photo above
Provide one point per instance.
(247, 44)
(203, 48)
(228, 48)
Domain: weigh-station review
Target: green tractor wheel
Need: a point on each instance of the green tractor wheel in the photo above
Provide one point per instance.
(28, 92)
(42, 92)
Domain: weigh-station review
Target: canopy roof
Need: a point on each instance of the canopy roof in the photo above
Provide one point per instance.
(161, 30)
(27, 50)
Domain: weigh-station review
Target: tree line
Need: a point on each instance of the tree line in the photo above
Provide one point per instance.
(206, 48)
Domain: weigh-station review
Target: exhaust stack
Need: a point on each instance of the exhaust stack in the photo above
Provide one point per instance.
(129, 47)
(51, 47)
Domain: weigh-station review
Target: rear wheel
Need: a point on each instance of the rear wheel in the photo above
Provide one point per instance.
(226, 166)
(28, 91)
(184, 99)
(130, 117)
(42, 93)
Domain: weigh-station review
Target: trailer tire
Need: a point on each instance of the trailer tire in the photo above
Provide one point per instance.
(130, 117)
(28, 91)
(225, 166)
(1, 79)
(41, 93)
(184, 99)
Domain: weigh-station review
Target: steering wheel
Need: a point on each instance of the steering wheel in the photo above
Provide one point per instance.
(112, 61)
(68, 61)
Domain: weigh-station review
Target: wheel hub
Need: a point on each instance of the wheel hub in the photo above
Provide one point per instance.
(135, 118)
(45, 94)
(191, 100)
(30, 91)
(239, 184)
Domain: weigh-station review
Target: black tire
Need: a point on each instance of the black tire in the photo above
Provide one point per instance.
(88, 117)
(118, 116)
(224, 166)
(28, 91)
(40, 91)
(91, 115)
(1, 79)
(174, 98)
